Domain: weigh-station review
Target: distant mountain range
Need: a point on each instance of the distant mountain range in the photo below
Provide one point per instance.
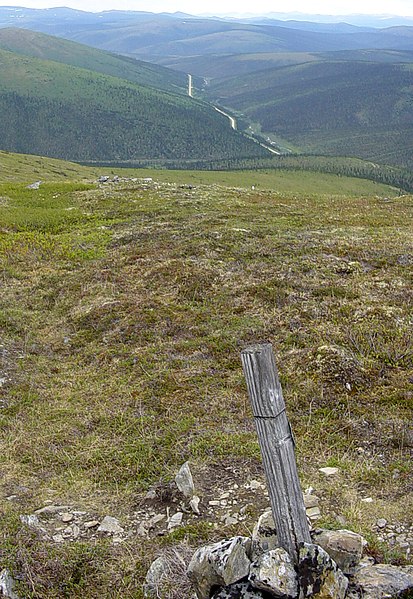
(154, 37)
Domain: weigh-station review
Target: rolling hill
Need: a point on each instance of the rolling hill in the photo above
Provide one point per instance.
(348, 108)
(62, 111)
(46, 47)
(156, 36)
(224, 66)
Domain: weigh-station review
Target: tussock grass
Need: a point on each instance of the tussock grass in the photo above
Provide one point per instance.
(123, 319)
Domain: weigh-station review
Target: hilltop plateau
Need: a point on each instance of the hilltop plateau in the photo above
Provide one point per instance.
(126, 301)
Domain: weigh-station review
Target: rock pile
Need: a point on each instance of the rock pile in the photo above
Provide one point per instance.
(330, 568)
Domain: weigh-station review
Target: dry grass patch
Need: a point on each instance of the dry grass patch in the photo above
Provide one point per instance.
(130, 322)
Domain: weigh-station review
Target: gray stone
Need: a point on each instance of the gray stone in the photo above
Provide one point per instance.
(318, 574)
(343, 546)
(313, 513)
(6, 585)
(264, 535)
(381, 580)
(157, 572)
(381, 522)
(194, 505)
(91, 524)
(184, 481)
(110, 525)
(50, 510)
(67, 517)
(34, 185)
(242, 590)
(220, 564)
(175, 520)
(310, 501)
(274, 572)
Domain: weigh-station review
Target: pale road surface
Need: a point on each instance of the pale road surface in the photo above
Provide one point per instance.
(232, 121)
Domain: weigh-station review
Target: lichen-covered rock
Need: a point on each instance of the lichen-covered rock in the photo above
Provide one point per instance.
(381, 580)
(274, 572)
(7, 585)
(318, 574)
(264, 536)
(241, 590)
(157, 572)
(219, 565)
(344, 546)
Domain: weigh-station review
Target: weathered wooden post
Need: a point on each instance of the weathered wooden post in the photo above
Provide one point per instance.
(277, 447)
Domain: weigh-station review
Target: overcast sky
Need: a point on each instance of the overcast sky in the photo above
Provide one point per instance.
(332, 7)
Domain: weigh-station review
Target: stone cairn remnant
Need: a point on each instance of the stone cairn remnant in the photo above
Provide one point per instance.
(332, 567)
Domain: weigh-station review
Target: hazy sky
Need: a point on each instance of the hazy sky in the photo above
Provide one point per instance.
(343, 7)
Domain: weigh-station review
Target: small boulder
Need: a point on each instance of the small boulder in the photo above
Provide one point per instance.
(110, 525)
(158, 571)
(184, 481)
(175, 521)
(381, 580)
(274, 572)
(343, 546)
(219, 565)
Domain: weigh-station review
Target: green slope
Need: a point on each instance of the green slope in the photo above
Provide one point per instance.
(334, 107)
(47, 47)
(62, 111)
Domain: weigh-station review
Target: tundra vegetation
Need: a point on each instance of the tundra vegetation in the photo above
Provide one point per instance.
(124, 308)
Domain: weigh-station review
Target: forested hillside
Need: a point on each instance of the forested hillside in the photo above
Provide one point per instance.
(57, 110)
(348, 108)
(47, 47)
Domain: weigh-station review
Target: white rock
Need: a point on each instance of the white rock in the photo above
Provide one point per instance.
(328, 471)
(110, 525)
(184, 481)
(381, 522)
(30, 520)
(7, 584)
(152, 522)
(175, 520)
(367, 500)
(50, 510)
(194, 505)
